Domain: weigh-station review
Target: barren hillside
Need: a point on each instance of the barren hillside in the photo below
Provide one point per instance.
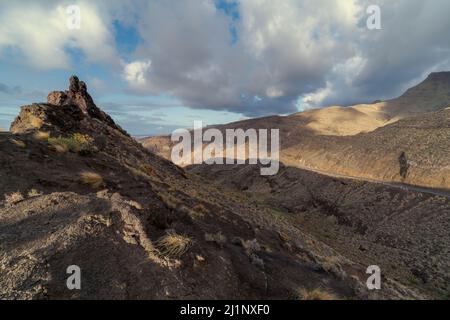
(405, 232)
(77, 190)
(431, 95)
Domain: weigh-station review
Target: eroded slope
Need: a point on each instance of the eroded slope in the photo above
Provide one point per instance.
(77, 190)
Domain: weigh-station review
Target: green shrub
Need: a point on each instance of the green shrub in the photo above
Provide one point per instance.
(75, 143)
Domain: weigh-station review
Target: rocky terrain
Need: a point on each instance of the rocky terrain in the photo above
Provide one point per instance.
(365, 141)
(405, 232)
(370, 181)
(78, 190)
(414, 151)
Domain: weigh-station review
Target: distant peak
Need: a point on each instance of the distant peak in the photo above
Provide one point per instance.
(432, 94)
(77, 95)
(434, 84)
(439, 76)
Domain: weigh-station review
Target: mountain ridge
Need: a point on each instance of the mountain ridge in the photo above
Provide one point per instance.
(316, 139)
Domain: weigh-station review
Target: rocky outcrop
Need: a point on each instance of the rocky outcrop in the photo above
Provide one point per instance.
(64, 110)
(57, 98)
(78, 96)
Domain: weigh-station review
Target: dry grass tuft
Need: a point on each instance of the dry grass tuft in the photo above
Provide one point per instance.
(76, 143)
(173, 245)
(60, 144)
(13, 198)
(315, 294)
(60, 148)
(42, 135)
(34, 193)
(92, 179)
(19, 143)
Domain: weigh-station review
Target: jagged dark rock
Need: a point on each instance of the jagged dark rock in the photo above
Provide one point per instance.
(404, 166)
(78, 95)
(74, 84)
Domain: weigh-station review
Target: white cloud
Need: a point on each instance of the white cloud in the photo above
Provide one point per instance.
(135, 73)
(318, 50)
(314, 99)
(297, 42)
(40, 33)
(284, 49)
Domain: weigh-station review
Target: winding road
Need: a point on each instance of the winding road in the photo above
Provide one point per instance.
(398, 185)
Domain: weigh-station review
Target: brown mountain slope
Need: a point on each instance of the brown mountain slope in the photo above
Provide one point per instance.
(402, 228)
(365, 141)
(405, 232)
(413, 150)
(77, 190)
(430, 95)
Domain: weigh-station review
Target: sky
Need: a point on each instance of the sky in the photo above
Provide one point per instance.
(158, 65)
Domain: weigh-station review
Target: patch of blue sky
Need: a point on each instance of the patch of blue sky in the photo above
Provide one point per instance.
(85, 68)
(127, 39)
(231, 9)
(161, 112)
(145, 114)
(184, 117)
(9, 109)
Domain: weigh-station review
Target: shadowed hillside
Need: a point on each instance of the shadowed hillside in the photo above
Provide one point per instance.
(405, 231)
(371, 181)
